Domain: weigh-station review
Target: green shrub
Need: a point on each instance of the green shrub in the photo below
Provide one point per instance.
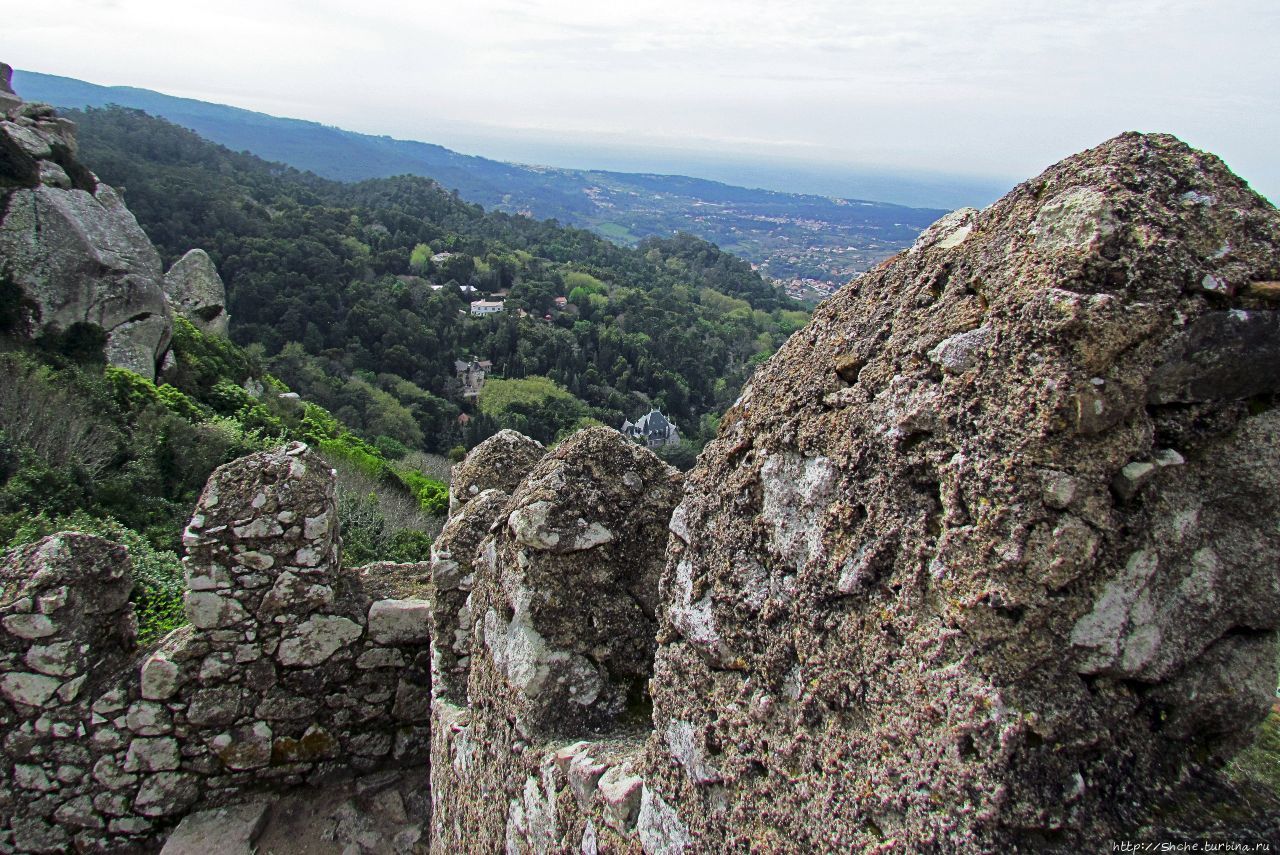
(63, 417)
(431, 494)
(318, 424)
(181, 405)
(132, 391)
(408, 545)
(362, 526)
(229, 397)
(381, 519)
(204, 360)
(354, 450)
(17, 310)
(391, 448)
(81, 343)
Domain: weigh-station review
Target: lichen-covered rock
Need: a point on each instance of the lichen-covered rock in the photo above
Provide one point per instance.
(498, 463)
(66, 617)
(985, 555)
(166, 794)
(551, 597)
(394, 622)
(452, 578)
(566, 602)
(227, 830)
(196, 291)
(316, 639)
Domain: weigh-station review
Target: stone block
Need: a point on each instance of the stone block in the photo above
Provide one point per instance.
(394, 622)
(223, 831)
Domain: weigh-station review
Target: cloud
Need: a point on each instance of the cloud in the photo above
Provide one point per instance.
(1004, 86)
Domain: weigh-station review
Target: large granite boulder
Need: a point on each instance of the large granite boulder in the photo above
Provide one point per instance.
(8, 98)
(986, 554)
(196, 292)
(70, 244)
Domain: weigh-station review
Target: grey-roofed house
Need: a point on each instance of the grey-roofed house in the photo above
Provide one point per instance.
(471, 374)
(653, 429)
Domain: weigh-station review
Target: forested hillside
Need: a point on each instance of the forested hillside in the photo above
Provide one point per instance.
(354, 295)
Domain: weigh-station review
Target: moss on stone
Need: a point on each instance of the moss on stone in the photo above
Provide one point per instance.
(1260, 763)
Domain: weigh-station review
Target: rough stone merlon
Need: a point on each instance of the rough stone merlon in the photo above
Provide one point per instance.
(1033, 476)
(592, 515)
(498, 463)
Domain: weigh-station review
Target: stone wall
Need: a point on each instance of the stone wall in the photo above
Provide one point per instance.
(289, 671)
(983, 559)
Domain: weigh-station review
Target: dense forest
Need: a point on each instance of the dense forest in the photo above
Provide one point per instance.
(357, 296)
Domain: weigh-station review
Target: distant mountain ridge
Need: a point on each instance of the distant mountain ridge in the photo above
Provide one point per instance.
(790, 236)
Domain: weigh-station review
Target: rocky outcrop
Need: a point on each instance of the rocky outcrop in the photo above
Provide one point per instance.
(976, 555)
(984, 558)
(71, 246)
(289, 671)
(8, 98)
(196, 292)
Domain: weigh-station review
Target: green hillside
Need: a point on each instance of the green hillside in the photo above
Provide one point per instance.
(333, 286)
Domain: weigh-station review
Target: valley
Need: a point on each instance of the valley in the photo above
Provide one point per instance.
(809, 244)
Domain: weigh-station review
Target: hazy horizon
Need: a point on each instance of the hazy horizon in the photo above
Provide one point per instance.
(982, 94)
(871, 182)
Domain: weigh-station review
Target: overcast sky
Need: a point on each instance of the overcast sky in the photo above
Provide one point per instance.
(981, 87)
